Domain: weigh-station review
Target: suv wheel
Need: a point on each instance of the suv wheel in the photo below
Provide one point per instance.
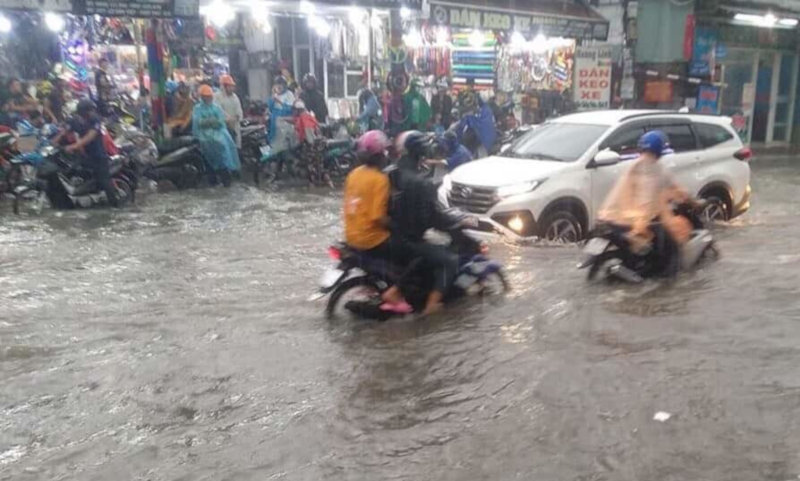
(561, 226)
(716, 210)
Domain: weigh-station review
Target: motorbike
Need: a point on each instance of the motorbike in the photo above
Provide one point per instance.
(356, 282)
(323, 163)
(11, 174)
(254, 137)
(608, 251)
(178, 160)
(68, 183)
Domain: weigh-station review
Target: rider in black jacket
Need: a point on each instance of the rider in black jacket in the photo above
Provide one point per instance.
(413, 209)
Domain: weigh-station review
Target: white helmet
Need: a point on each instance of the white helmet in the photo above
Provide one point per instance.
(299, 105)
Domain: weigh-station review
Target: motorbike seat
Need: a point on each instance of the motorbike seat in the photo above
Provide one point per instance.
(371, 265)
(171, 145)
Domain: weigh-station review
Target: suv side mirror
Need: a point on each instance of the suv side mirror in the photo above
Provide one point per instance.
(605, 157)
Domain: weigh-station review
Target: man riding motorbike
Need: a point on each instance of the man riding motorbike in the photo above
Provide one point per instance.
(414, 210)
(639, 207)
(87, 126)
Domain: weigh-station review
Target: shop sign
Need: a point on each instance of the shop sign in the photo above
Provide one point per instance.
(705, 41)
(64, 6)
(111, 8)
(708, 99)
(627, 89)
(658, 91)
(525, 23)
(412, 4)
(592, 80)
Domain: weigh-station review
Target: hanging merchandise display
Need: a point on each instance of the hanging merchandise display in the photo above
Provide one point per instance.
(474, 56)
(539, 64)
(397, 82)
(155, 65)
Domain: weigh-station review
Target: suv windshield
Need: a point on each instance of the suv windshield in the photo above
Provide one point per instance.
(558, 141)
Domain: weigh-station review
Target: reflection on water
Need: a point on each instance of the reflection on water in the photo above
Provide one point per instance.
(173, 340)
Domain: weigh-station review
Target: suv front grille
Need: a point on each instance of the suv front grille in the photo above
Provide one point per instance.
(472, 199)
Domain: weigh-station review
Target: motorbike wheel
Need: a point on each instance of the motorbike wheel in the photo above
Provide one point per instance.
(265, 172)
(495, 284)
(36, 197)
(124, 192)
(357, 288)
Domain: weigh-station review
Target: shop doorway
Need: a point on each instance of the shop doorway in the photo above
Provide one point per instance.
(763, 94)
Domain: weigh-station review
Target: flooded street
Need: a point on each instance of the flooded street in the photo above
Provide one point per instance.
(174, 341)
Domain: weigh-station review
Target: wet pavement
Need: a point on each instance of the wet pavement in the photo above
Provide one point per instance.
(174, 341)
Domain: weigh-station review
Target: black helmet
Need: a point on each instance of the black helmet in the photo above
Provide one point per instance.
(85, 106)
(309, 77)
(416, 144)
(280, 79)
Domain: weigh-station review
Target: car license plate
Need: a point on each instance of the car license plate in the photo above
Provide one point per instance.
(330, 278)
(596, 246)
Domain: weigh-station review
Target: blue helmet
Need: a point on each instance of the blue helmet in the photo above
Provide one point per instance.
(654, 141)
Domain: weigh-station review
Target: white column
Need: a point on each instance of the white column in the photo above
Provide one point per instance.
(751, 114)
(773, 94)
(792, 97)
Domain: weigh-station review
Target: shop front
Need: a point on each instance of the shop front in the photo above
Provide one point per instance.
(524, 49)
(752, 55)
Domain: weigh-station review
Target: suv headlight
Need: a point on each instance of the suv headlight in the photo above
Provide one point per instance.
(517, 189)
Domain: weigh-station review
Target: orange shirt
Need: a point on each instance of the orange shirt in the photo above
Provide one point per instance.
(366, 200)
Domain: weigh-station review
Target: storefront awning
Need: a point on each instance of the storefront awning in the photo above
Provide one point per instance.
(110, 8)
(561, 19)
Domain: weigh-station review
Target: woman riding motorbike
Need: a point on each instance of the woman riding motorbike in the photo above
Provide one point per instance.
(640, 206)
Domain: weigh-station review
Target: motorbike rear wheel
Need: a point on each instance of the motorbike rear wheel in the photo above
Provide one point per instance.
(361, 288)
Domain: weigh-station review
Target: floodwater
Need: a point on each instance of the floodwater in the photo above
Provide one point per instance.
(174, 341)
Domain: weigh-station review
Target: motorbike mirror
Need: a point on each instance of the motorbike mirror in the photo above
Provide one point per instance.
(605, 157)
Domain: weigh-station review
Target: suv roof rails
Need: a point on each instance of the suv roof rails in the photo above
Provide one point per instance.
(666, 112)
(650, 114)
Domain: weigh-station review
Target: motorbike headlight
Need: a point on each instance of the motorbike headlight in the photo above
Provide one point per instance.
(517, 189)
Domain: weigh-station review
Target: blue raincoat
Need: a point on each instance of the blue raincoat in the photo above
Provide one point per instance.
(216, 143)
(482, 123)
(278, 110)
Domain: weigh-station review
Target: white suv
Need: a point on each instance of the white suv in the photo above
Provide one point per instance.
(551, 182)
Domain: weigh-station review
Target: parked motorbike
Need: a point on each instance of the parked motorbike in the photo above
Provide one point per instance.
(608, 250)
(254, 137)
(180, 161)
(68, 183)
(324, 163)
(11, 173)
(356, 283)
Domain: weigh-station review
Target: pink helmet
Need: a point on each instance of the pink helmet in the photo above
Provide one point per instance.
(372, 143)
